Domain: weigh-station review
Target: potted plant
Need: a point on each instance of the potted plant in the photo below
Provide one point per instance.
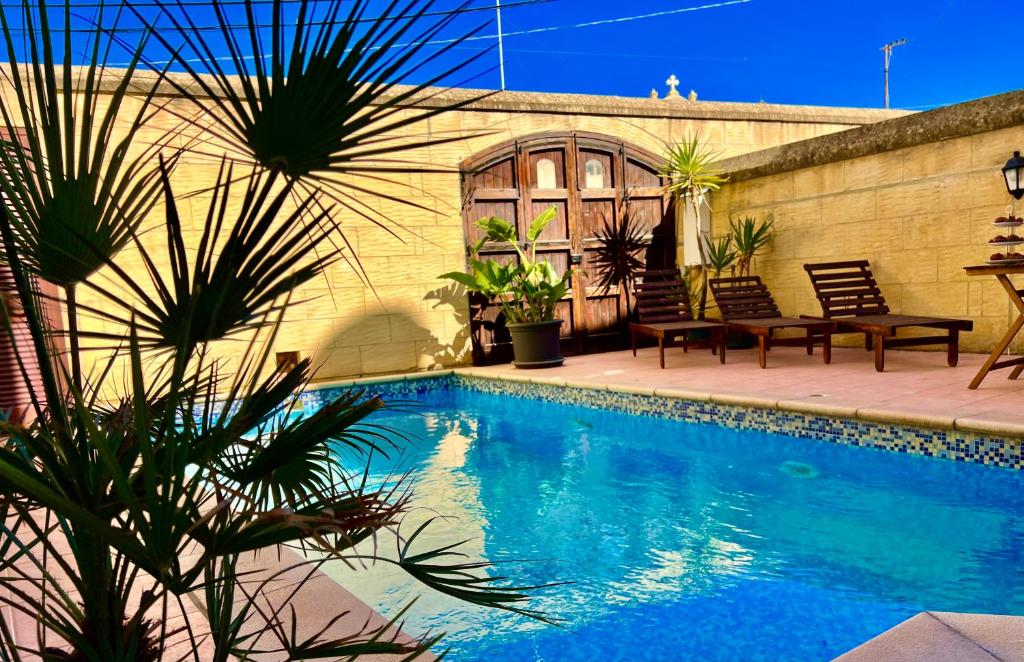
(690, 174)
(749, 236)
(526, 291)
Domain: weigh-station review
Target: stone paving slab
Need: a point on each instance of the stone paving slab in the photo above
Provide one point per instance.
(933, 636)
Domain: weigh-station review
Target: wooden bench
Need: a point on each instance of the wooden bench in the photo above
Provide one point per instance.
(747, 306)
(663, 312)
(849, 295)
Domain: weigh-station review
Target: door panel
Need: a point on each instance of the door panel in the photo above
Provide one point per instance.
(547, 169)
(558, 230)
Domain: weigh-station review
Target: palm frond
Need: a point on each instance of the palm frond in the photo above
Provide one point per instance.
(243, 267)
(750, 236)
(721, 254)
(159, 489)
(313, 95)
(441, 570)
(75, 187)
(689, 167)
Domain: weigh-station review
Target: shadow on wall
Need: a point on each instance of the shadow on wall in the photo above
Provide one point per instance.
(434, 337)
(451, 298)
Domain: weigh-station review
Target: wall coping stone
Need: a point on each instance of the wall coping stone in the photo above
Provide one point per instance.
(990, 113)
(478, 100)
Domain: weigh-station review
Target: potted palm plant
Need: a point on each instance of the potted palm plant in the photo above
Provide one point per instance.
(526, 291)
(690, 174)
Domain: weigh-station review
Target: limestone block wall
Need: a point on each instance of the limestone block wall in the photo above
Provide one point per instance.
(384, 309)
(916, 196)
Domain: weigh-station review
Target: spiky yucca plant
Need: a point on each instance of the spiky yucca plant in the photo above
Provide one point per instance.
(750, 236)
(117, 512)
(690, 173)
(721, 255)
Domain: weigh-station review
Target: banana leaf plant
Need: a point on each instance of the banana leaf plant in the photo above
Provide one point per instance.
(527, 290)
(151, 481)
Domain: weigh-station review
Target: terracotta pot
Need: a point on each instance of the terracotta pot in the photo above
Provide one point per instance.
(537, 344)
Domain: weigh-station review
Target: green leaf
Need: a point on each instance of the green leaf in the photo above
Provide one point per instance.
(310, 90)
(541, 222)
(689, 168)
(76, 191)
(466, 280)
(497, 229)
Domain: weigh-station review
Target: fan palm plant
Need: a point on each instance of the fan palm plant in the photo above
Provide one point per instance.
(88, 191)
(320, 106)
(125, 496)
(690, 174)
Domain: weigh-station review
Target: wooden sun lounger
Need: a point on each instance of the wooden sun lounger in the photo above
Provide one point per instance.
(850, 296)
(663, 312)
(747, 306)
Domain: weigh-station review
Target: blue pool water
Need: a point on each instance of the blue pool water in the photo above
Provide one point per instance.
(690, 542)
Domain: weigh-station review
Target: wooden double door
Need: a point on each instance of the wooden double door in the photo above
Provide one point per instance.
(593, 182)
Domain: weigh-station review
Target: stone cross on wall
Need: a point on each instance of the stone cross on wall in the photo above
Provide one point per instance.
(672, 83)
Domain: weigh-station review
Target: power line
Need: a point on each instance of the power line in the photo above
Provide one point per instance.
(588, 24)
(614, 54)
(208, 3)
(114, 4)
(585, 24)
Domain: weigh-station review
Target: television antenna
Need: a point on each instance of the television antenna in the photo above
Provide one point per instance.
(887, 56)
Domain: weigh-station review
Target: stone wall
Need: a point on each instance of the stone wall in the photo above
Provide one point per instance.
(916, 196)
(397, 320)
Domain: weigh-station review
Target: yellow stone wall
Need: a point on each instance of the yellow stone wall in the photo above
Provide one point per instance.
(919, 214)
(402, 319)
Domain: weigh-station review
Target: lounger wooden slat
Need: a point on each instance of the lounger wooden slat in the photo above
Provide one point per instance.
(663, 312)
(746, 305)
(850, 296)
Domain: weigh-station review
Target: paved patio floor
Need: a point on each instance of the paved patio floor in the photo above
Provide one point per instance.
(917, 387)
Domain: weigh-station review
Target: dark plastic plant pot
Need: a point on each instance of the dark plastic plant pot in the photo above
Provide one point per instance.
(537, 344)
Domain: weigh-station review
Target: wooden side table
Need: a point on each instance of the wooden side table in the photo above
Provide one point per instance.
(1002, 275)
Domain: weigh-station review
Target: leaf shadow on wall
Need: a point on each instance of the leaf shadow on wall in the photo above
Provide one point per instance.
(456, 350)
(396, 340)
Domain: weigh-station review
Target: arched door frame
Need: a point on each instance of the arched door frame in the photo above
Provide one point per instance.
(502, 180)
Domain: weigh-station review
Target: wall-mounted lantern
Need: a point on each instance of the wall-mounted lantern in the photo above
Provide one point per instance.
(1013, 173)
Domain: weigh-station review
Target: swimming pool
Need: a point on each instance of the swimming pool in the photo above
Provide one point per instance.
(688, 541)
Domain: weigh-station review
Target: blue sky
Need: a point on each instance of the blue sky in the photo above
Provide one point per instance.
(785, 51)
(823, 52)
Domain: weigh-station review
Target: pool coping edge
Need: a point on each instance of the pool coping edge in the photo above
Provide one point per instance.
(867, 414)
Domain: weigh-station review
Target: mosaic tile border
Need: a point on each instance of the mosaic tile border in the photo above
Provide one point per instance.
(950, 444)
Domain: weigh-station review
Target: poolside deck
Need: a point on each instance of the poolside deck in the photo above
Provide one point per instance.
(917, 388)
